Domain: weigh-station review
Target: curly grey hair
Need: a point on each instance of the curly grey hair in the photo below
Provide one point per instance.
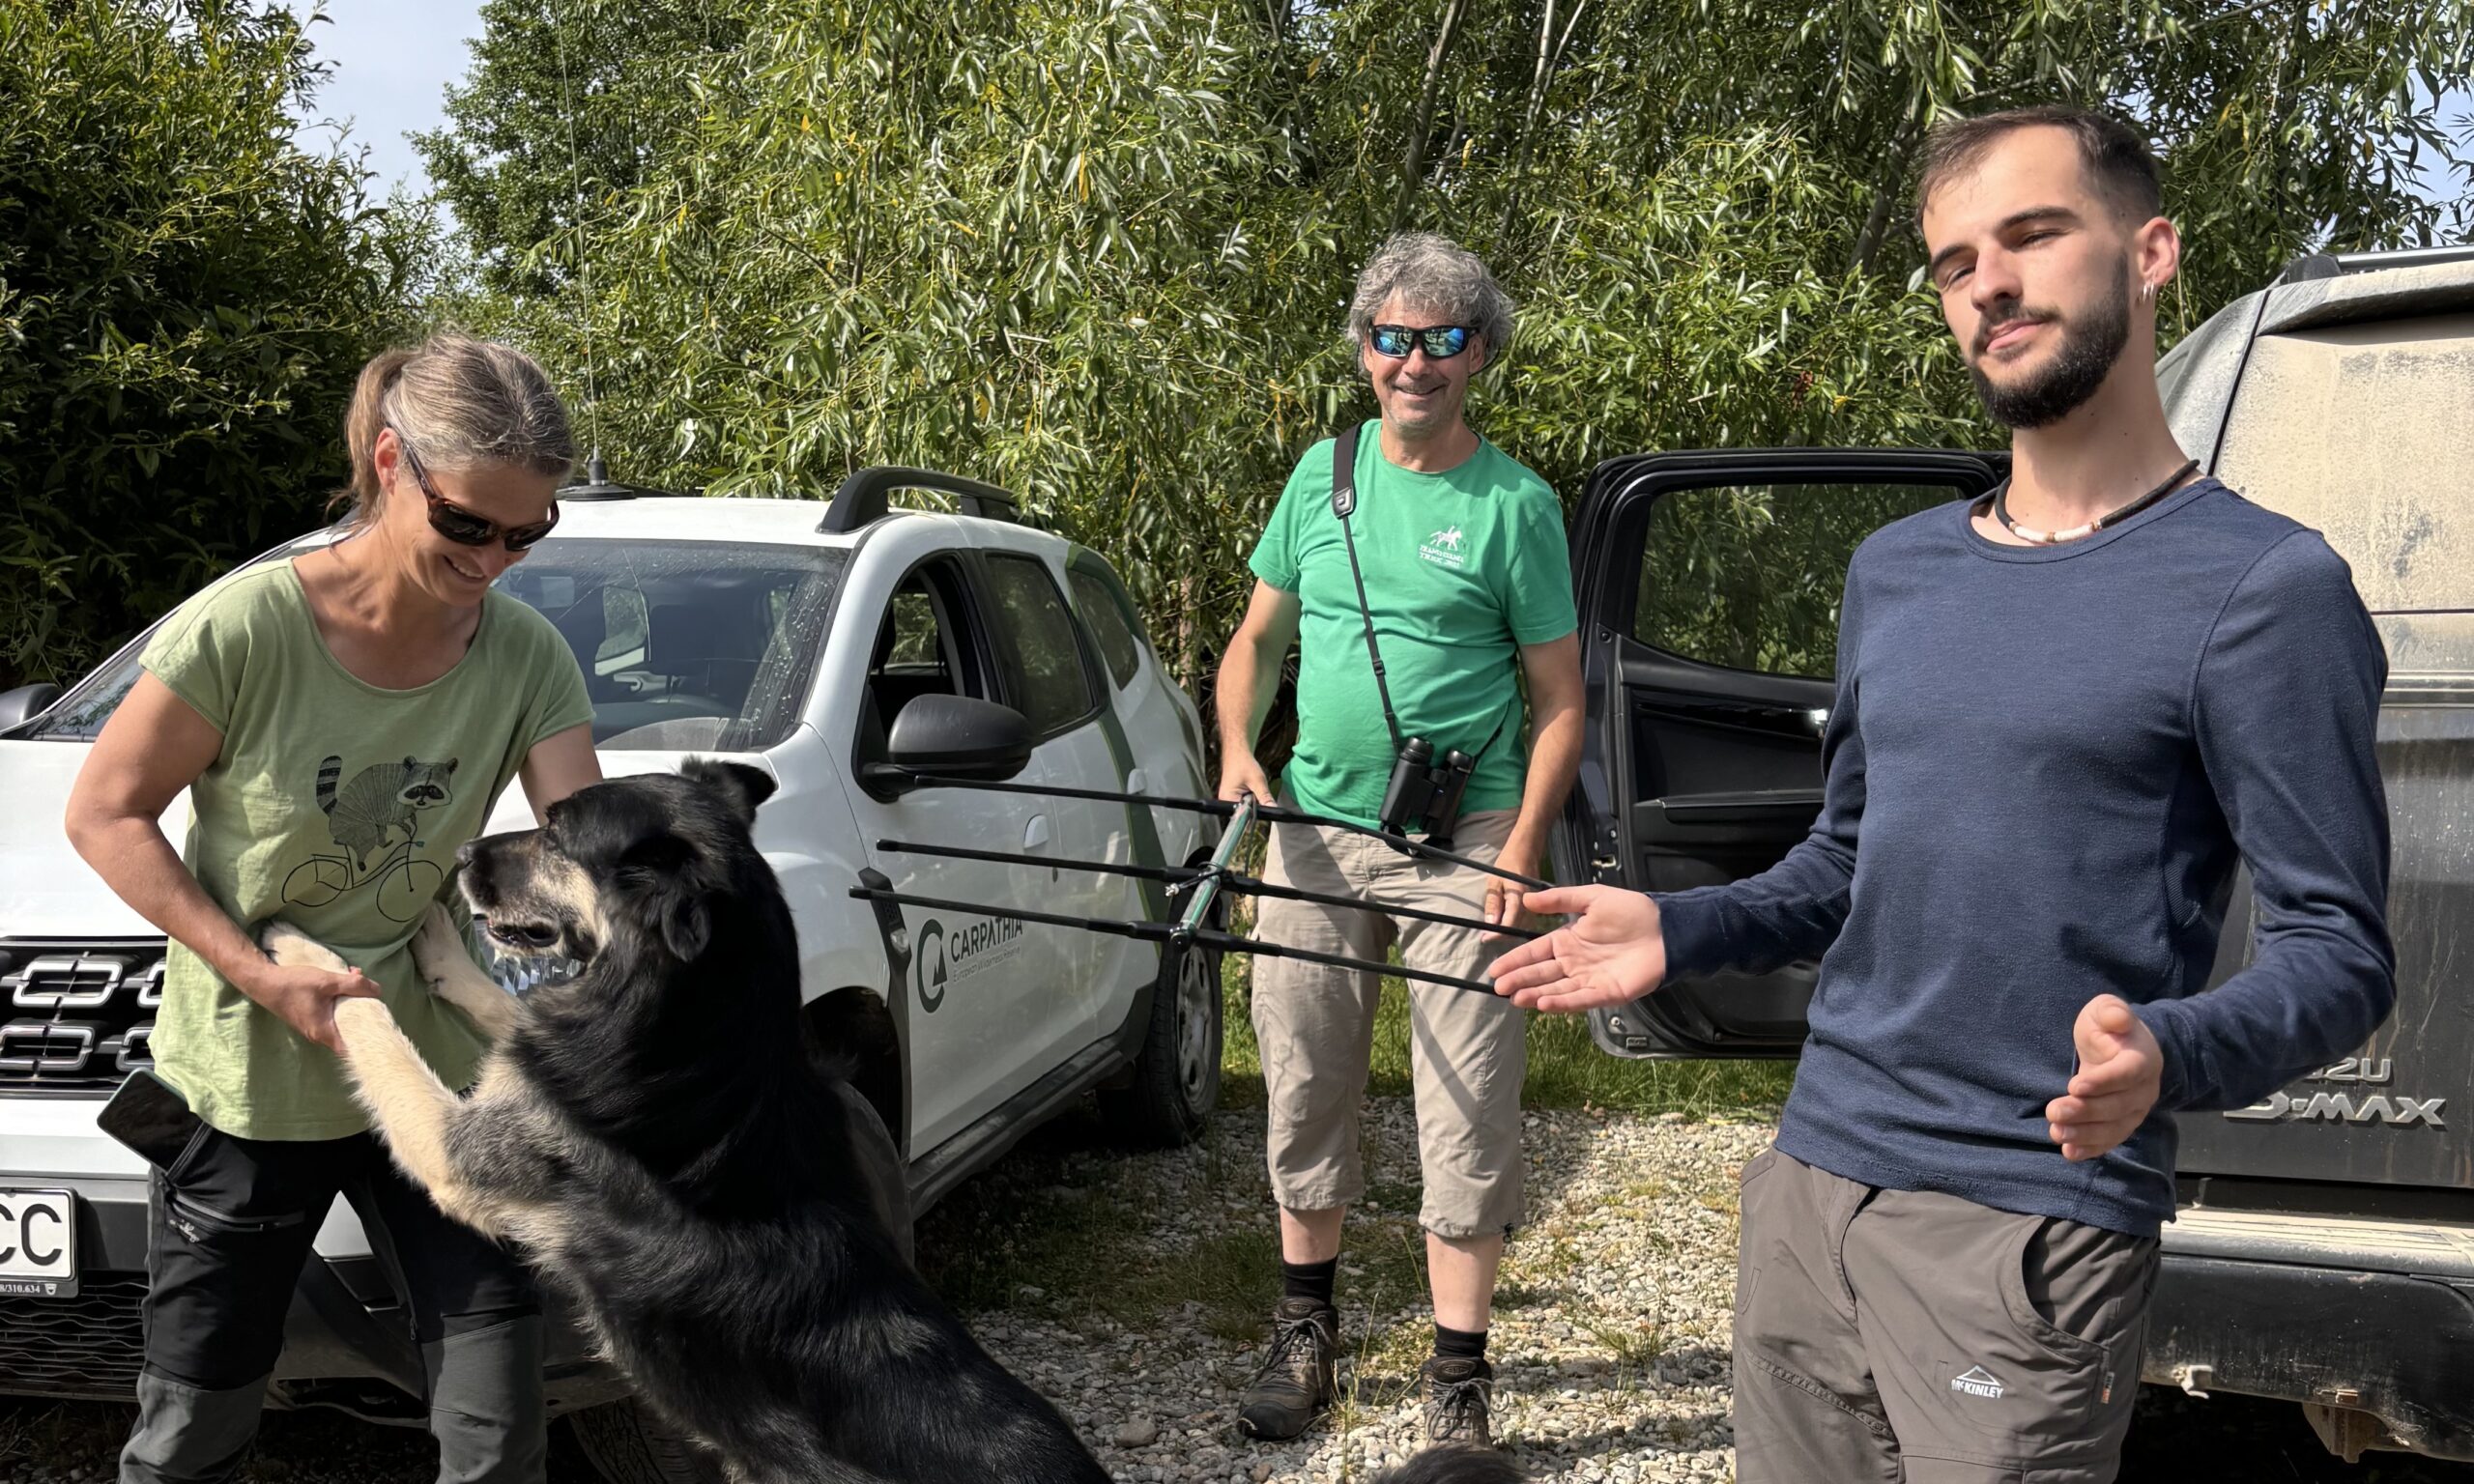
(1438, 276)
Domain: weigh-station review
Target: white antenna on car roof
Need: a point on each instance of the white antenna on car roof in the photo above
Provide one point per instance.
(595, 472)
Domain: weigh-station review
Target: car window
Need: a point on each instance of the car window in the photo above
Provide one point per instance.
(1750, 576)
(682, 643)
(1107, 622)
(925, 646)
(2358, 431)
(78, 715)
(1051, 688)
(914, 637)
(622, 625)
(687, 643)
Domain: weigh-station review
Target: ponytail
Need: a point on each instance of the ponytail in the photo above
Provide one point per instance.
(460, 403)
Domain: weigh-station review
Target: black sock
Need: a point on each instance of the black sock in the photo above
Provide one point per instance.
(1459, 1344)
(1308, 1280)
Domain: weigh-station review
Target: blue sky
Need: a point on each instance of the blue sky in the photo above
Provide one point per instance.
(395, 58)
(392, 62)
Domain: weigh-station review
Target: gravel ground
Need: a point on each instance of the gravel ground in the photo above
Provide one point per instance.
(1132, 1292)
(1610, 1351)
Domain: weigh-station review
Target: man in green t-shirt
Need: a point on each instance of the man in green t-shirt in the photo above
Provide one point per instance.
(1468, 586)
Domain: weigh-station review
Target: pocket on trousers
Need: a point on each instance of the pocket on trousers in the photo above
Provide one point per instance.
(194, 1217)
(189, 1150)
(1749, 1235)
(2019, 1250)
(1954, 1471)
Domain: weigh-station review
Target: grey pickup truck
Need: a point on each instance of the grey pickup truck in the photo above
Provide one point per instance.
(2323, 1252)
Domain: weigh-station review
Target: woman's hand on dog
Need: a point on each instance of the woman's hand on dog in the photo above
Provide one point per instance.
(304, 998)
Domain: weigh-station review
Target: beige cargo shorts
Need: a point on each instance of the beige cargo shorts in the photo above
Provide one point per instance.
(1315, 1026)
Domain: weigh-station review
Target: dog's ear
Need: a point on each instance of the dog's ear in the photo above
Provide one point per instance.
(743, 787)
(663, 867)
(686, 923)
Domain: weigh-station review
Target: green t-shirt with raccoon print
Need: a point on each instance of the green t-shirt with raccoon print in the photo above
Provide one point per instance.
(337, 807)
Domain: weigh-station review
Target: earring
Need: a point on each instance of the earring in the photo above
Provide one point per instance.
(2148, 291)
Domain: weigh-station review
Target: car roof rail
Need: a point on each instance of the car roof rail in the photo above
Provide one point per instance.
(861, 500)
(2334, 265)
(598, 485)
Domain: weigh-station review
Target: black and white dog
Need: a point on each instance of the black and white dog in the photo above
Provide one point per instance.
(710, 1200)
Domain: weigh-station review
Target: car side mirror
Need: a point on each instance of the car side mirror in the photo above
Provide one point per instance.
(956, 738)
(24, 701)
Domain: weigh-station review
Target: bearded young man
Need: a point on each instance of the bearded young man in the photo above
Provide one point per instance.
(1463, 572)
(2064, 714)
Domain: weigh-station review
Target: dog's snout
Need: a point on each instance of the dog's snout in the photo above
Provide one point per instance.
(475, 859)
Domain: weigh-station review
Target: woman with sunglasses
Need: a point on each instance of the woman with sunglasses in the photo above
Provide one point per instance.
(343, 721)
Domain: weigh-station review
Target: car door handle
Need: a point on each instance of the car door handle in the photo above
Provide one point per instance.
(1035, 838)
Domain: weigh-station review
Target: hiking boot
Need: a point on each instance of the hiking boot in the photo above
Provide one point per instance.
(1296, 1381)
(1457, 1392)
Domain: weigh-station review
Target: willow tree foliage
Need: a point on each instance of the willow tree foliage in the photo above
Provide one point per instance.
(186, 295)
(1097, 249)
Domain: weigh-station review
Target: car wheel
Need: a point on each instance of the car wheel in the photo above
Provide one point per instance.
(626, 1444)
(1176, 1079)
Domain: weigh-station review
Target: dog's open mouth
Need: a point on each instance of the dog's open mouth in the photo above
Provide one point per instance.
(521, 956)
(524, 937)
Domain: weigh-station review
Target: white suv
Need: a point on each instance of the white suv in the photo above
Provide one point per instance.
(855, 652)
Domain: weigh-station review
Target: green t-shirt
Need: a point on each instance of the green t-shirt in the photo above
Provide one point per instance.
(337, 807)
(1462, 569)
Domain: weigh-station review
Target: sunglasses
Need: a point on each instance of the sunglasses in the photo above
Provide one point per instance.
(1442, 342)
(461, 526)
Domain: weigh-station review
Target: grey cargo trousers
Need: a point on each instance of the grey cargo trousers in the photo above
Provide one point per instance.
(1906, 1335)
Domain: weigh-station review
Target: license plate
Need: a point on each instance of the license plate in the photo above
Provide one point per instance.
(39, 1243)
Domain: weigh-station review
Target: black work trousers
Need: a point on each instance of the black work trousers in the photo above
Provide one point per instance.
(231, 1222)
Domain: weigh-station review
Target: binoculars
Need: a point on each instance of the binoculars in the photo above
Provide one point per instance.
(1422, 787)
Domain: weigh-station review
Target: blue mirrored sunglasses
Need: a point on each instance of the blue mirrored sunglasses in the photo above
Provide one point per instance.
(1442, 342)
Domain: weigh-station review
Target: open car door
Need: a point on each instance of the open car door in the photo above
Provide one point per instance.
(1709, 589)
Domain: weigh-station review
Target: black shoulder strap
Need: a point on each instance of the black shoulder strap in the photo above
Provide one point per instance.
(1344, 471)
(1343, 505)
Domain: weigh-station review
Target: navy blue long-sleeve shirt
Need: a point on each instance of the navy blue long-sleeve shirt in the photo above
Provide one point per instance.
(2041, 770)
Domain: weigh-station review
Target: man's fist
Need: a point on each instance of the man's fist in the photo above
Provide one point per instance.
(2121, 1071)
(1241, 775)
(1610, 954)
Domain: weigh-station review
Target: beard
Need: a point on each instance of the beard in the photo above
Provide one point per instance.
(2089, 347)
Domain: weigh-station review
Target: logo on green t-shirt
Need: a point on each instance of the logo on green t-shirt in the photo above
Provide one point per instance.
(1443, 548)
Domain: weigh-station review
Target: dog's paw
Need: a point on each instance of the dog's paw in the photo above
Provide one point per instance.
(289, 946)
(359, 1013)
(439, 949)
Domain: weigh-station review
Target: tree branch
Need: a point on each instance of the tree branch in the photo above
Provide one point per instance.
(1413, 162)
(1877, 220)
(1550, 60)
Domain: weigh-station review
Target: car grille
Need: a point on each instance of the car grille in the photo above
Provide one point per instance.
(79, 1013)
(90, 1346)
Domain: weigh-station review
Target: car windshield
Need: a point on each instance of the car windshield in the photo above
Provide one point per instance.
(685, 644)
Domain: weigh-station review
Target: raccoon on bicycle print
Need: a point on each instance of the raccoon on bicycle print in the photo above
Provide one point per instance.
(375, 822)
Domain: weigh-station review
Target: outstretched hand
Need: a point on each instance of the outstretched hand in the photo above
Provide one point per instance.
(1610, 954)
(2121, 1073)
